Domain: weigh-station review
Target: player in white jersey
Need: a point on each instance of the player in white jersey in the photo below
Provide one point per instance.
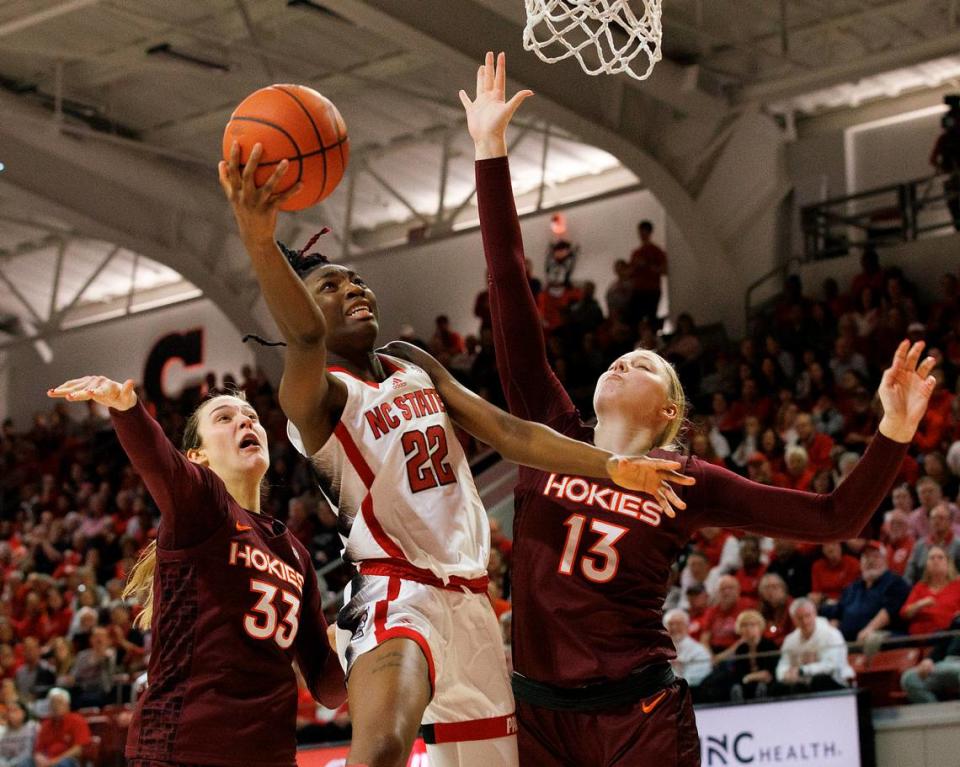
(419, 638)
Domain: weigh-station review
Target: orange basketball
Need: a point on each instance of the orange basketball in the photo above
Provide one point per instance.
(295, 123)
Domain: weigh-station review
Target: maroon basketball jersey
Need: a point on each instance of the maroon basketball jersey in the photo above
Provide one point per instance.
(231, 613)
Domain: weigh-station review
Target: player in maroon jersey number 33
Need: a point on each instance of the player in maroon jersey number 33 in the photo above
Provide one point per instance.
(230, 595)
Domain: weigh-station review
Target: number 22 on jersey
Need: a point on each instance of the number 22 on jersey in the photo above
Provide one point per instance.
(601, 560)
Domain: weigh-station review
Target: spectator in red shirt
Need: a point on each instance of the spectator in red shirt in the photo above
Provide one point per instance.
(935, 599)
(934, 427)
(62, 736)
(751, 568)
(446, 343)
(720, 621)
(775, 607)
(716, 546)
(647, 264)
(832, 573)
(35, 622)
(818, 446)
(898, 540)
(698, 602)
(800, 473)
(870, 276)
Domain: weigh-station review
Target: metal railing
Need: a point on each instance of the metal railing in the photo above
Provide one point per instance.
(897, 213)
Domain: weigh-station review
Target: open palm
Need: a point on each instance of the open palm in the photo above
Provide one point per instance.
(906, 388)
(489, 113)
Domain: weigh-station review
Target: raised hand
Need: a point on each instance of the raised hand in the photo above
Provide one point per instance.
(652, 476)
(102, 390)
(489, 113)
(905, 391)
(255, 208)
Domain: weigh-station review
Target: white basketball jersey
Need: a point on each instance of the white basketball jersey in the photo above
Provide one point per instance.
(398, 478)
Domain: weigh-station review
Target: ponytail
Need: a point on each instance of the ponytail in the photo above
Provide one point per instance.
(139, 587)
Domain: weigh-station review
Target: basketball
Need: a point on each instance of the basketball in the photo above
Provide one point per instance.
(297, 124)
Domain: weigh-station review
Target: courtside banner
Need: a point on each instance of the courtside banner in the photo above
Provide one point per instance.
(821, 731)
(336, 756)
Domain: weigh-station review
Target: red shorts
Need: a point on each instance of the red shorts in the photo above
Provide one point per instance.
(658, 731)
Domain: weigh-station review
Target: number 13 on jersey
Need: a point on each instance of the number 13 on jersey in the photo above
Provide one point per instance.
(601, 560)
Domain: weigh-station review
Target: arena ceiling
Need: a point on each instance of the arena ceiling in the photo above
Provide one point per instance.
(155, 80)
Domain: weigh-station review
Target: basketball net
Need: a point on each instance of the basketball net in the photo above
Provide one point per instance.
(605, 36)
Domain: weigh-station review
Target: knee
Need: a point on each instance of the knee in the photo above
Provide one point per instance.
(385, 749)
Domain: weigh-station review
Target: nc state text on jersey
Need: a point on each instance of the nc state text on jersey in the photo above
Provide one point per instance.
(579, 490)
(384, 417)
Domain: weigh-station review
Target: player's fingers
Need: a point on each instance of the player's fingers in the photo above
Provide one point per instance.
(500, 75)
(465, 100)
(233, 167)
(913, 356)
(516, 100)
(284, 196)
(663, 464)
(278, 172)
(675, 500)
(677, 478)
(900, 355)
(250, 169)
(664, 504)
(128, 387)
(488, 72)
(479, 81)
(224, 173)
(926, 367)
(72, 385)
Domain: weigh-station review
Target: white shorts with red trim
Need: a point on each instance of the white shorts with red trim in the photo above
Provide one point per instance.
(460, 637)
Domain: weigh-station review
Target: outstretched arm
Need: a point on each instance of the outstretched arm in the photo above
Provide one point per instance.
(308, 394)
(540, 447)
(531, 388)
(191, 499)
(728, 500)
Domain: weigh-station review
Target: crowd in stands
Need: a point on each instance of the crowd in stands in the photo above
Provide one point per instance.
(790, 405)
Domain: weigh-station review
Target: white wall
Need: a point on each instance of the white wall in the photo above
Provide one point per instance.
(119, 350)
(415, 284)
(923, 262)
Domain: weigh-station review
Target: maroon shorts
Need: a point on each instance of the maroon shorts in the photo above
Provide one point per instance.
(658, 731)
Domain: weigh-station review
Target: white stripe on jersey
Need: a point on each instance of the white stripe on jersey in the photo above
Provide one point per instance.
(398, 478)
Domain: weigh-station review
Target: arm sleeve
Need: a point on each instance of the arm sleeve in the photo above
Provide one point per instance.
(784, 663)
(914, 596)
(320, 667)
(831, 659)
(532, 389)
(192, 499)
(725, 499)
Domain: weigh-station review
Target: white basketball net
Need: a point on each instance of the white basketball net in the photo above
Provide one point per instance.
(606, 36)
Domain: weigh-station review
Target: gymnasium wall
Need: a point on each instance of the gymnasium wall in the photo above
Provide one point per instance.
(119, 350)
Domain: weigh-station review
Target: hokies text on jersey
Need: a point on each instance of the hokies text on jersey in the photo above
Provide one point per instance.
(387, 416)
(251, 557)
(579, 490)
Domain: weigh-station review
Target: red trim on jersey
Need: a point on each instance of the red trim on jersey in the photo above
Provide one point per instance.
(366, 507)
(381, 633)
(338, 369)
(408, 572)
(478, 729)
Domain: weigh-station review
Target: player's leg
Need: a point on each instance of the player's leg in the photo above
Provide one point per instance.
(496, 752)
(388, 691)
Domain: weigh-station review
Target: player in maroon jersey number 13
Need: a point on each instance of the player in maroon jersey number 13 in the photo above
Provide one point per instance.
(230, 595)
(593, 682)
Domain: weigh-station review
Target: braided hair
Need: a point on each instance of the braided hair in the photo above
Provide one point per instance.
(302, 262)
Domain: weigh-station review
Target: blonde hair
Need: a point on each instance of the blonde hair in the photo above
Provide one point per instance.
(669, 438)
(139, 586)
(951, 566)
(749, 615)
